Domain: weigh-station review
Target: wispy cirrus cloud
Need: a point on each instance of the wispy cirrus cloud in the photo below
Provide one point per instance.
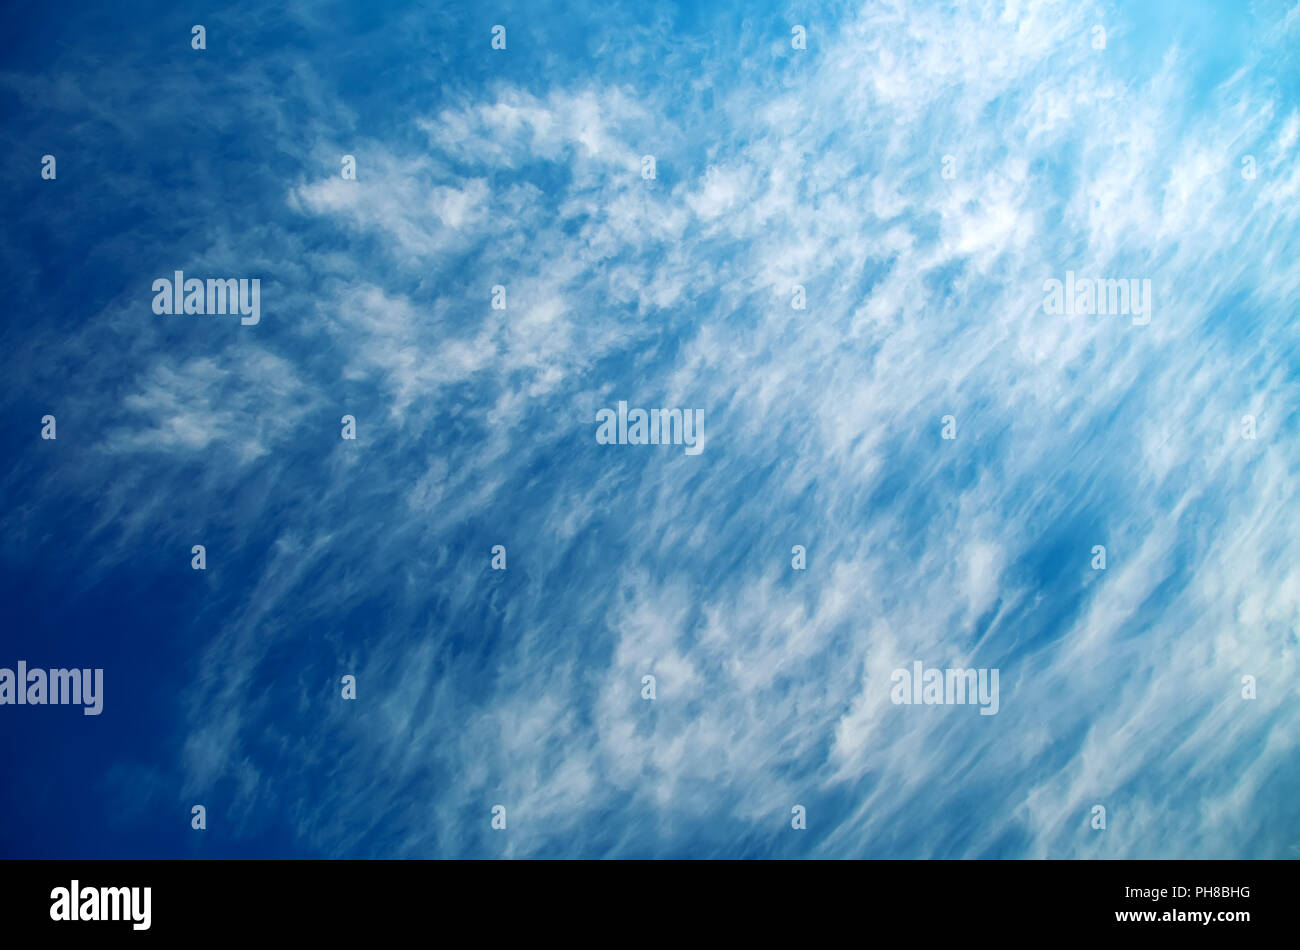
(820, 168)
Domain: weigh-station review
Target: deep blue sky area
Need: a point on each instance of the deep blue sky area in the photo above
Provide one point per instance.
(829, 228)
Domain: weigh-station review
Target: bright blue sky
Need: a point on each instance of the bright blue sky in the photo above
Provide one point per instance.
(476, 427)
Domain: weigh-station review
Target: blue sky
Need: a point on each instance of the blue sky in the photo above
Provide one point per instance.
(476, 427)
